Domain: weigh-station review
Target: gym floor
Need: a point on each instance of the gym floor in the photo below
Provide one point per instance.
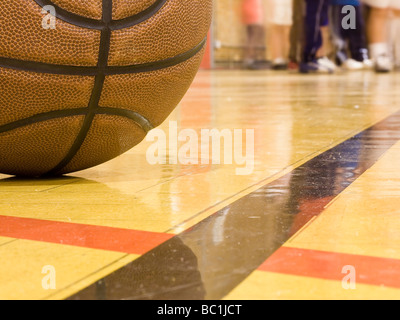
(321, 205)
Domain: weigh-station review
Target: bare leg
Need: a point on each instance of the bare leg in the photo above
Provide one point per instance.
(250, 53)
(325, 48)
(280, 44)
(377, 26)
(378, 38)
(255, 41)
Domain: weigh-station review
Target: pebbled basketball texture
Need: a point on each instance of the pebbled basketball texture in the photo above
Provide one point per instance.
(89, 90)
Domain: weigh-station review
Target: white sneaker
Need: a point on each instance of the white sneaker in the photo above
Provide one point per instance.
(353, 65)
(326, 63)
(313, 67)
(383, 63)
(279, 64)
(368, 64)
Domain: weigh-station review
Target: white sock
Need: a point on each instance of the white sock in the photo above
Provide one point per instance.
(378, 49)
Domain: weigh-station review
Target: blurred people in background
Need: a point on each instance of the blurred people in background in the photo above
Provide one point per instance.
(377, 31)
(303, 33)
(316, 31)
(279, 30)
(348, 40)
(253, 18)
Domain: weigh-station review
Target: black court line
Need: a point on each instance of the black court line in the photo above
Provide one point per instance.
(210, 259)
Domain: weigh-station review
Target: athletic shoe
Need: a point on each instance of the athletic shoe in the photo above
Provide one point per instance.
(383, 63)
(368, 64)
(251, 65)
(293, 66)
(324, 61)
(279, 64)
(353, 65)
(315, 67)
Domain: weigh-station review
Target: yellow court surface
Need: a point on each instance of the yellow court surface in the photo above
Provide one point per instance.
(314, 213)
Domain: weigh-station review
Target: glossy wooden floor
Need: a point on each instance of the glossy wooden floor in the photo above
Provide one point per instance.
(237, 236)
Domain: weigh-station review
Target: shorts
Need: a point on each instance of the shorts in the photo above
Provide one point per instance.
(282, 12)
(383, 4)
(253, 12)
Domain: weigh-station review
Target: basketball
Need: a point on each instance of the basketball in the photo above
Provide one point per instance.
(82, 82)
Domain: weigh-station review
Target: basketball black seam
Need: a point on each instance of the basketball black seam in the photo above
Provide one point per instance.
(40, 67)
(141, 120)
(88, 23)
(42, 117)
(104, 49)
(109, 71)
(107, 25)
(138, 18)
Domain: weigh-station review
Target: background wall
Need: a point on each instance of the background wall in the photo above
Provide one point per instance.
(229, 32)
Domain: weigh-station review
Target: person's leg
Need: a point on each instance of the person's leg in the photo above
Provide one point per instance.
(250, 53)
(377, 27)
(357, 38)
(339, 35)
(395, 30)
(378, 37)
(255, 46)
(280, 45)
(312, 29)
(280, 33)
(356, 42)
(297, 32)
(253, 19)
(260, 45)
(377, 31)
(316, 31)
(325, 48)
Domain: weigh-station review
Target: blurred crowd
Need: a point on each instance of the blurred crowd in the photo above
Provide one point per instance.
(324, 35)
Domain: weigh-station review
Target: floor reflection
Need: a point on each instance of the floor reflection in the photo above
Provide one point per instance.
(210, 259)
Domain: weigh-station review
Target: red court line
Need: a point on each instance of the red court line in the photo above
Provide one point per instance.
(329, 265)
(81, 235)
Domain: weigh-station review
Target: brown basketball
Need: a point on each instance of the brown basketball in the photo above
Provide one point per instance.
(84, 86)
